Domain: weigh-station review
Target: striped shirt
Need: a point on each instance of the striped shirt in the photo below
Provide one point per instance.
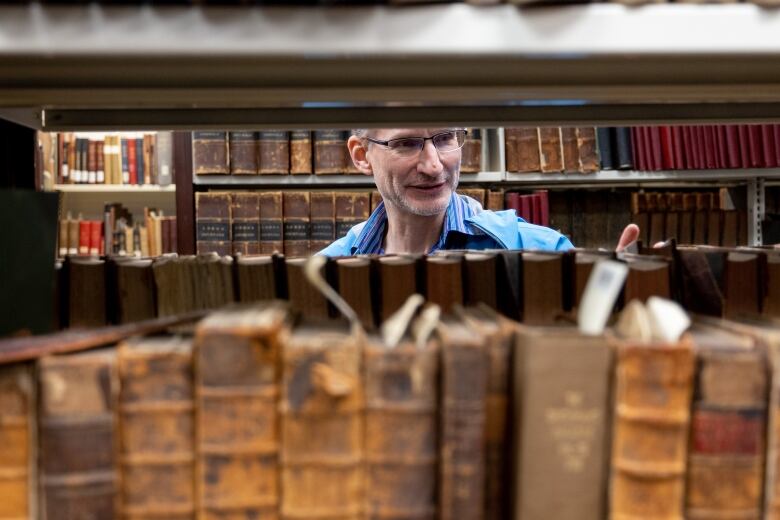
(370, 239)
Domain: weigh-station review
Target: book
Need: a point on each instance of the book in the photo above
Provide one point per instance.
(156, 428)
(511, 155)
(623, 141)
(134, 290)
(18, 464)
(481, 279)
(571, 151)
(163, 158)
(274, 153)
(471, 155)
(304, 297)
(77, 435)
(212, 223)
(329, 157)
(86, 291)
(297, 230)
(243, 153)
(550, 149)
(647, 276)
(351, 209)
(397, 281)
(322, 407)
(354, 285)
(237, 375)
(542, 288)
(245, 223)
(588, 149)
(323, 224)
(271, 218)
(209, 153)
(444, 280)
(528, 150)
(606, 139)
(743, 278)
(256, 277)
(300, 152)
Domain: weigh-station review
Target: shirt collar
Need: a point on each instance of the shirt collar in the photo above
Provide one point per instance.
(460, 208)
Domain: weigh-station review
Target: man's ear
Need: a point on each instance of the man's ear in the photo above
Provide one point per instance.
(358, 152)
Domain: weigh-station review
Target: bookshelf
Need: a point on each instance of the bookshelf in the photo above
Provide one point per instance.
(113, 188)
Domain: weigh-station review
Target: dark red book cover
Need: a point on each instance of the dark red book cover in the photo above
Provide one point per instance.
(685, 144)
(656, 148)
(709, 147)
(768, 146)
(691, 153)
(736, 432)
(526, 210)
(722, 147)
(95, 236)
(776, 134)
(636, 149)
(744, 146)
(132, 161)
(536, 209)
(678, 147)
(701, 142)
(756, 155)
(667, 147)
(544, 205)
(84, 236)
(512, 201)
(732, 144)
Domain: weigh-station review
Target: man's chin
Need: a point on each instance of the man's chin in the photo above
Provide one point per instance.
(427, 208)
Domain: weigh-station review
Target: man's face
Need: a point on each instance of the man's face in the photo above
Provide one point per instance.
(419, 183)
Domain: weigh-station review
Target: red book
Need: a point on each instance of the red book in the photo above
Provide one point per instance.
(95, 236)
(667, 147)
(512, 201)
(732, 145)
(691, 153)
(678, 145)
(132, 161)
(526, 209)
(756, 154)
(84, 237)
(536, 208)
(744, 146)
(721, 159)
(685, 146)
(636, 149)
(776, 133)
(701, 142)
(544, 208)
(768, 146)
(709, 147)
(655, 147)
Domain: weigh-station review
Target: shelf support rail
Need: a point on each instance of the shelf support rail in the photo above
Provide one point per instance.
(756, 209)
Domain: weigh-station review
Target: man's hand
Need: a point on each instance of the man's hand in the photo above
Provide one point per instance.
(630, 234)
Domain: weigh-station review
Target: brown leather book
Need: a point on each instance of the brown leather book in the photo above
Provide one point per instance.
(212, 223)
(211, 278)
(562, 406)
(329, 154)
(86, 291)
(771, 303)
(243, 153)
(256, 278)
(701, 219)
(274, 152)
(323, 220)
(444, 280)
(730, 228)
(245, 223)
(135, 290)
(686, 218)
(296, 231)
(714, 224)
(300, 152)
(699, 289)
(354, 285)
(271, 218)
(571, 152)
(376, 198)
(588, 149)
(77, 435)
(18, 475)
(210, 153)
(173, 287)
(550, 149)
(397, 281)
(654, 384)
(728, 428)
(481, 279)
(401, 430)
(640, 216)
(511, 136)
(673, 209)
(528, 150)
(463, 413)
(584, 262)
(743, 278)
(352, 208)
(471, 156)
(647, 276)
(656, 208)
(156, 428)
(322, 424)
(304, 297)
(237, 374)
(495, 200)
(542, 287)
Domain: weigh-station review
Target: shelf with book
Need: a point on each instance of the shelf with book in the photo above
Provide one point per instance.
(114, 188)
(631, 177)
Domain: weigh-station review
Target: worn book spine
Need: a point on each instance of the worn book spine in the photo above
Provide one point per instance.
(471, 156)
(542, 288)
(271, 218)
(300, 152)
(351, 209)
(481, 279)
(650, 434)
(297, 224)
(397, 281)
(495, 200)
(303, 296)
(86, 292)
(354, 285)
(401, 431)
(245, 223)
(243, 153)
(77, 436)
(157, 429)
(209, 153)
(550, 149)
(743, 281)
(256, 278)
(212, 223)
(329, 152)
(18, 475)
(322, 426)
(274, 153)
(237, 360)
(135, 292)
(571, 152)
(512, 159)
(647, 278)
(588, 149)
(444, 281)
(323, 222)
(528, 150)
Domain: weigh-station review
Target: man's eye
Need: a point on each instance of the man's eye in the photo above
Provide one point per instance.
(446, 137)
(404, 144)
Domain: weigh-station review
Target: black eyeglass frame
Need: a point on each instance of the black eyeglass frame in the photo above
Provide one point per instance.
(431, 138)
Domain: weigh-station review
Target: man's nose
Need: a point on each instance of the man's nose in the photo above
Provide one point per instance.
(429, 161)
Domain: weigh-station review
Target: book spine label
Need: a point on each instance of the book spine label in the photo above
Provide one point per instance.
(212, 232)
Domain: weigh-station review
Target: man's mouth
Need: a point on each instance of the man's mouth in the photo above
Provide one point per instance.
(429, 187)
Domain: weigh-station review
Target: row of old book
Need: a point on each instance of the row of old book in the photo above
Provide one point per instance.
(551, 150)
(299, 152)
(115, 158)
(468, 416)
(296, 223)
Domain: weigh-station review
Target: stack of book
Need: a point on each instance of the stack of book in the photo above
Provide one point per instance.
(551, 150)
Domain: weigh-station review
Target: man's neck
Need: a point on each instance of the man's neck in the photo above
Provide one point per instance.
(409, 233)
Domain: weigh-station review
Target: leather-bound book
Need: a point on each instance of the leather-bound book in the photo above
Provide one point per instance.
(728, 428)
(714, 222)
(322, 424)
(18, 475)
(511, 136)
(444, 281)
(237, 373)
(212, 281)
(584, 262)
(771, 303)
(588, 149)
(354, 285)
(471, 156)
(463, 411)
(271, 218)
(607, 144)
(654, 384)
(323, 222)
(274, 153)
(699, 287)
(571, 151)
(550, 149)
(86, 291)
(673, 208)
(77, 436)
(296, 231)
(209, 153)
(397, 281)
(156, 428)
(743, 282)
(562, 406)
(212, 223)
(624, 146)
(528, 146)
(542, 288)
(730, 228)
(329, 152)
(135, 290)
(401, 430)
(481, 279)
(656, 208)
(243, 153)
(640, 216)
(647, 276)
(509, 275)
(304, 297)
(352, 208)
(300, 152)
(495, 200)
(245, 223)
(256, 280)
(701, 219)
(686, 218)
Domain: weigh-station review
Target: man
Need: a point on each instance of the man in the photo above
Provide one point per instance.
(416, 171)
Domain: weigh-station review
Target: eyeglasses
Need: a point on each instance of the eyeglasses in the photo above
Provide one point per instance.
(408, 146)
